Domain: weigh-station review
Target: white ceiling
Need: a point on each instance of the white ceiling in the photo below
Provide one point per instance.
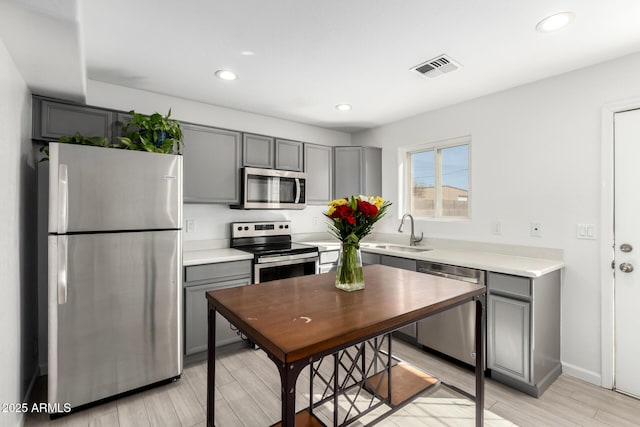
(313, 54)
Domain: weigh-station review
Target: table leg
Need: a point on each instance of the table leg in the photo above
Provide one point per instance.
(211, 367)
(288, 376)
(479, 363)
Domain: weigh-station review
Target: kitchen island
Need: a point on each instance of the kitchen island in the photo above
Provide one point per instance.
(299, 321)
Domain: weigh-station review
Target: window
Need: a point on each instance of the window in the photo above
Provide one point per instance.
(438, 180)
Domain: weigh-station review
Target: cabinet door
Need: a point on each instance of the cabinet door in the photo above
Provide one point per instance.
(289, 155)
(211, 163)
(410, 331)
(318, 164)
(372, 171)
(195, 317)
(509, 346)
(117, 129)
(53, 120)
(258, 151)
(348, 171)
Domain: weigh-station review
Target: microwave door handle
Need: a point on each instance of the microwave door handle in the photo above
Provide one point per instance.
(297, 190)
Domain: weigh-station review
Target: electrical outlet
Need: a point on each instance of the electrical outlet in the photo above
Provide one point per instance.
(535, 229)
(496, 227)
(315, 220)
(190, 226)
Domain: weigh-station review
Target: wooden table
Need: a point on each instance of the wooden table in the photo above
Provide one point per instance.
(298, 321)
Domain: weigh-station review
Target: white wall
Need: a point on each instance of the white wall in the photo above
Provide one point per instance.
(212, 221)
(122, 98)
(535, 157)
(17, 243)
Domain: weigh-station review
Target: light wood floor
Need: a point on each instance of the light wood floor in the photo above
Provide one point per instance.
(241, 400)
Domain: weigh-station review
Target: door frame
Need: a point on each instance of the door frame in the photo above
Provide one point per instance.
(607, 307)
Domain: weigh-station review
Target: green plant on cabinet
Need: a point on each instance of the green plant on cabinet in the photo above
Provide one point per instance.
(155, 133)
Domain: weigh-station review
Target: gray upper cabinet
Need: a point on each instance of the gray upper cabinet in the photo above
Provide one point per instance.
(318, 164)
(212, 160)
(289, 155)
(52, 120)
(358, 170)
(258, 151)
(117, 129)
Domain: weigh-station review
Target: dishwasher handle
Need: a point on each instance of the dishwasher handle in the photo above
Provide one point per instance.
(464, 274)
(450, 276)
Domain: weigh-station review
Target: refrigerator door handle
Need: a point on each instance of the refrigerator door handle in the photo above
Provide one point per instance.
(63, 198)
(63, 252)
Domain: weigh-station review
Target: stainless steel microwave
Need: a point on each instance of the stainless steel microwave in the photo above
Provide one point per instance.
(272, 189)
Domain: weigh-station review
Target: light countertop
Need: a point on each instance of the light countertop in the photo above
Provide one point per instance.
(212, 256)
(483, 260)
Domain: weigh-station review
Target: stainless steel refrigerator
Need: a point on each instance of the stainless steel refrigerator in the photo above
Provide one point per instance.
(115, 271)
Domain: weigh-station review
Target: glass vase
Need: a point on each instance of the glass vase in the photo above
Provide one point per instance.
(349, 276)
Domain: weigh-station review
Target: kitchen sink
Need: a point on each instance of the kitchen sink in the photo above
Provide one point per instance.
(392, 247)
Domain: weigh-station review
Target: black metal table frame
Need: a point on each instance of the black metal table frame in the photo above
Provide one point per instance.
(289, 372)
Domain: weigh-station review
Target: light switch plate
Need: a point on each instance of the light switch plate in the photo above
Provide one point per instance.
(190, 226)
(586, 231)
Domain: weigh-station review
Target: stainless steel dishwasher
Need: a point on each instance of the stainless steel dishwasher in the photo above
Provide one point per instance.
(452, 332)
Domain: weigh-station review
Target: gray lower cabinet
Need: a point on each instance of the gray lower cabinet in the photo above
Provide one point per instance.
(199, 280)
(289, 155)
(52, 119)
(369, 258)
(258, 151)
(212, 159)
(409, 332)
(318, 165)
(357, 170)
(523, 330)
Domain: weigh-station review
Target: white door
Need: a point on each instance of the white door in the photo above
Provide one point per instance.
(627, 251)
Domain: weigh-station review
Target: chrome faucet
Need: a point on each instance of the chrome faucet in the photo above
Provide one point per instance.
(413, 239)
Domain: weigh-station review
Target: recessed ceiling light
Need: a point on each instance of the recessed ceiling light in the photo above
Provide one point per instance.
(226, 75)
(555, 22)
(343, 107)
(247, 53)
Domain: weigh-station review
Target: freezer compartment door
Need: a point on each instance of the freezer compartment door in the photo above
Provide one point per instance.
(115, 313)
(106, 189)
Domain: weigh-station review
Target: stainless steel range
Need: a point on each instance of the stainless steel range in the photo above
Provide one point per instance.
(274, 255)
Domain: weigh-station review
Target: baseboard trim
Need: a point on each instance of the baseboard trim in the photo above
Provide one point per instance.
(581, 373)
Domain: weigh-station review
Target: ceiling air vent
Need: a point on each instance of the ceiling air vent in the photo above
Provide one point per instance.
(437, 66)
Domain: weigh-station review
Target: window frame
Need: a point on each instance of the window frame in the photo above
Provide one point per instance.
(405, 181)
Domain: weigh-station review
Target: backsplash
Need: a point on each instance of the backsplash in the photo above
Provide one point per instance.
(211, 222)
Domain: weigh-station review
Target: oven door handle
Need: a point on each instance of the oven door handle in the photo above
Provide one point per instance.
(280, 258)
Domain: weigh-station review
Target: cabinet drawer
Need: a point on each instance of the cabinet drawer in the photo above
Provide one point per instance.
(218, 272)
(329, 257)
(403, 263)
(369, 258)
(510, 285)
